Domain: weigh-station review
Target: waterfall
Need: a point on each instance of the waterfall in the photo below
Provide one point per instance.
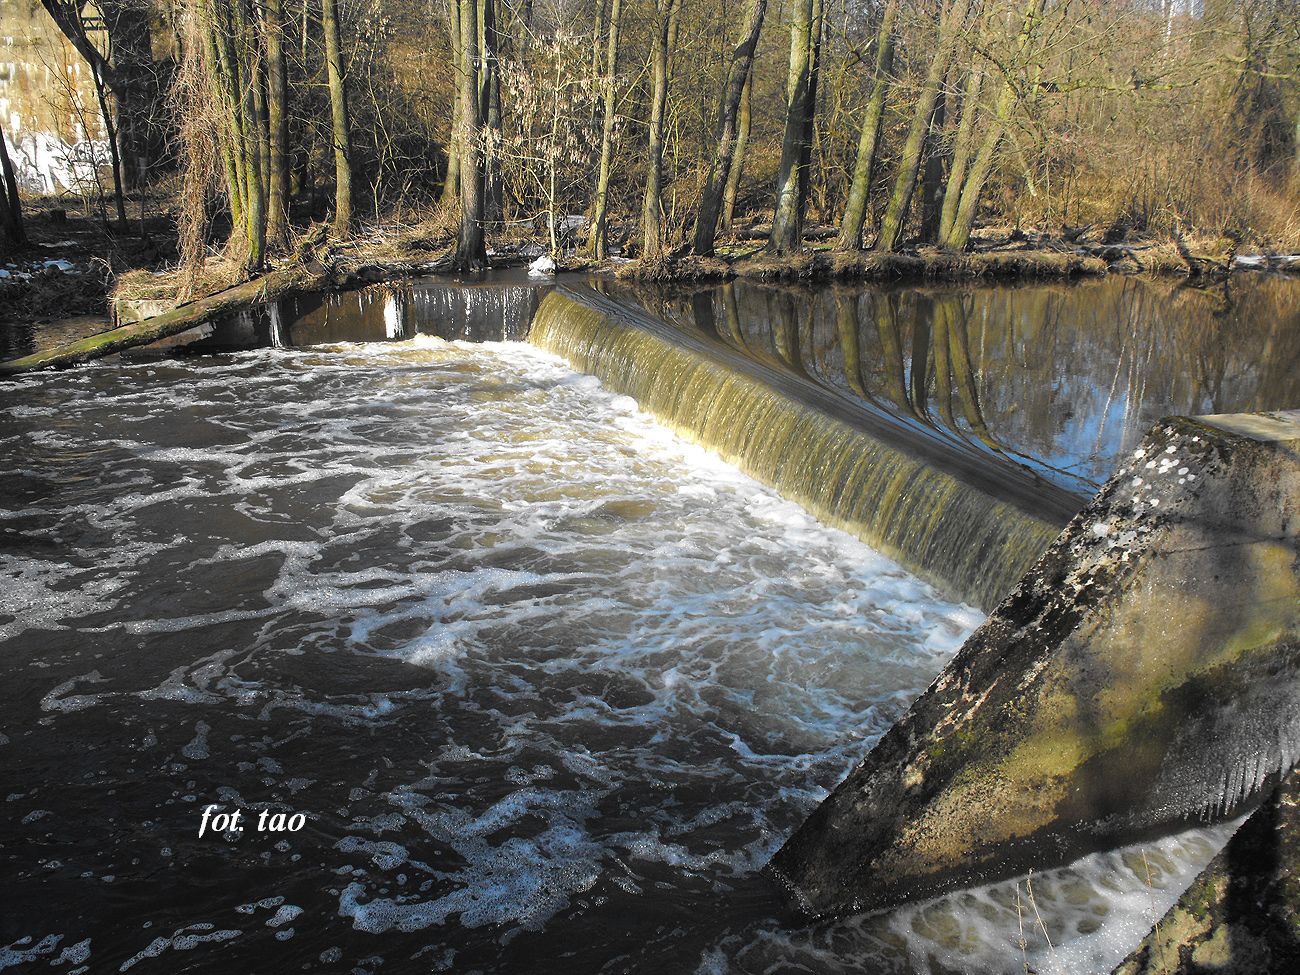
(491, 313)
(908, 492)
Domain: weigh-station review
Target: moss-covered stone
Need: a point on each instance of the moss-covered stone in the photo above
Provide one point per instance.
(1142, 676)
(1241, 916)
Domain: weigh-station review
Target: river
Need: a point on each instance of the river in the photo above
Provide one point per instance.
(548, 683)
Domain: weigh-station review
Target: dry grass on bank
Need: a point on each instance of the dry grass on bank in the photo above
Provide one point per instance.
(687, 267)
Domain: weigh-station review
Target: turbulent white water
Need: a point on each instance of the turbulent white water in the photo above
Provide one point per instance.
(550, 684)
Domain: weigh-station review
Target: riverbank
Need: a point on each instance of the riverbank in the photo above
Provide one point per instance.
(997, 254)
(63, 292)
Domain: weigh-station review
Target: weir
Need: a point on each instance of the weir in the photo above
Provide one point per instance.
(921, 498)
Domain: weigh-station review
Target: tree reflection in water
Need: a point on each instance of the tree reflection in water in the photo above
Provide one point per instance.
(1061, 377)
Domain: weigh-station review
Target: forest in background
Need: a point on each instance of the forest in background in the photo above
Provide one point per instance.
(667, 126)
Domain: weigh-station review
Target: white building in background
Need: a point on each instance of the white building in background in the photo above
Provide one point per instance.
(48, 109)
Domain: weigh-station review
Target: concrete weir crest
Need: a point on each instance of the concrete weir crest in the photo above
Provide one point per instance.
(1143, 676)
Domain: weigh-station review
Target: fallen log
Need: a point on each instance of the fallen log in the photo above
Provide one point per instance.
(269, 287)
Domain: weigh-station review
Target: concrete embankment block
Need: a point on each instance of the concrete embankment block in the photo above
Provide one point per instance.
(1241, 916)
(1140, 678)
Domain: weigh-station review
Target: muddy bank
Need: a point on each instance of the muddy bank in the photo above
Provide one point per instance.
(1039, 259)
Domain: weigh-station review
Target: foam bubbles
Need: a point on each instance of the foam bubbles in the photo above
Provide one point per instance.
(567, 672)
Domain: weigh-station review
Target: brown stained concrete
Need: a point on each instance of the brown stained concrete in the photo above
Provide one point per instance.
(1144, 675)
(1241, 916)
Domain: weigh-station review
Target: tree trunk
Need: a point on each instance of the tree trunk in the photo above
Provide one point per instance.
(137, 91)
(451, 179)
(489, 84)
(339, 118)
(652, 235)
(791, 183)
(277, 110)
(217, 71)
(598, 241)
(932, 173)
(232, 72)
(12, 234)
(248, 81)
(706, 223)
(114, 147)
(961, 153)
(810, 115)
(963, 222)
(895, 219)
(855, 210)
(738, 160)
(130, 76)
(597, 33)
(471, 252)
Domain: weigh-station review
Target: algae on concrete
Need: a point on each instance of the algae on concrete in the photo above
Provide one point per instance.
(1144, 675)
(1241, 916)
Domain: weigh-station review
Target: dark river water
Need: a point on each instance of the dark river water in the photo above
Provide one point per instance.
(548, 684)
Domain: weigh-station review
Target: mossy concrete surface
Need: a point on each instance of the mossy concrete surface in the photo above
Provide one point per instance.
(1141, 677)
(1241, 916)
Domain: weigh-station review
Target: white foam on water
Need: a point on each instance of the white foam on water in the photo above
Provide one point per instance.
(636, 669)
(1084, 918)
(183, 939)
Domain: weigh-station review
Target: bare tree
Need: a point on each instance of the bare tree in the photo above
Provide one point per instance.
(801, 103)
(339, 118)
(598, 241)
(737, 168)
(471, 251)
(742, 59)
(951, 21)
(451, 176)
(277, 114)
(665, 30)
(963, 147)
(965, 203)
(855, 210)
(12, 233)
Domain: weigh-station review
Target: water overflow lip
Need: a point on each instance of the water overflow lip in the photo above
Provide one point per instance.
(906, 489)
(487, 596)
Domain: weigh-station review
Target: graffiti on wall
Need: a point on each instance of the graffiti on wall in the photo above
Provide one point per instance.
(45, 164)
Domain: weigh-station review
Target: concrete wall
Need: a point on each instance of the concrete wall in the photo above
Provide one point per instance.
(1241, 916)
(1142, 676)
